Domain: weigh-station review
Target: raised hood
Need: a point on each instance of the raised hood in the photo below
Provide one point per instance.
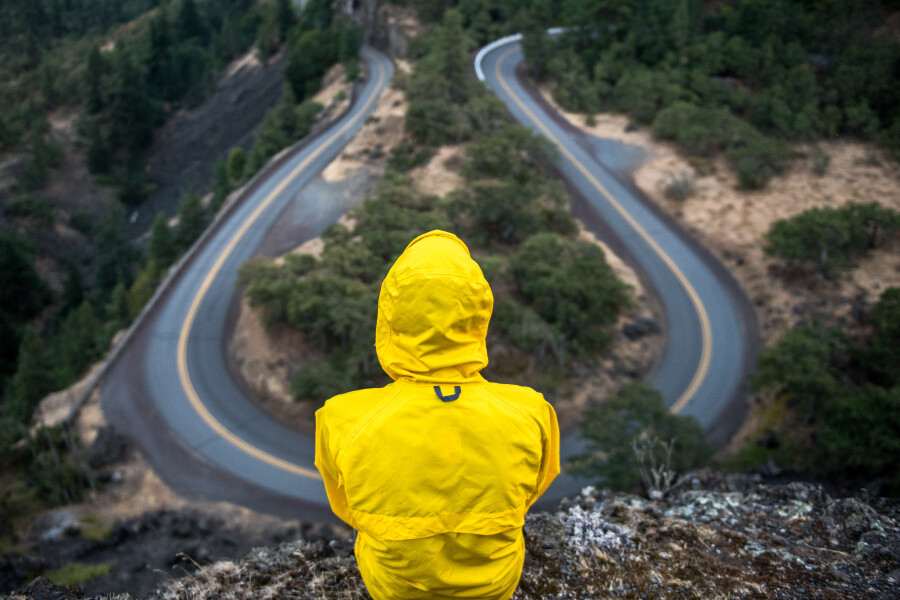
(433, 313)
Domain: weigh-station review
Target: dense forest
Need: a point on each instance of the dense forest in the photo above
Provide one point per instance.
(740, 78)
(123, 68)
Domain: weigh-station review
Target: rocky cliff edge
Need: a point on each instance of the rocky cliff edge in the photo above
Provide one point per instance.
(712, 536)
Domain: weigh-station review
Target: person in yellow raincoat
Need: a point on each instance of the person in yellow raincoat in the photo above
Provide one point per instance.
(437, 469)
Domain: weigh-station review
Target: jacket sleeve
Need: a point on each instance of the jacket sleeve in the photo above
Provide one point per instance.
(549, 452)
(331, 475)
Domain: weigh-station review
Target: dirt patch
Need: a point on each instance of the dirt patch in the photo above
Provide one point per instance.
(372, 145)
(335, 89)
(267, 359)
(440, 175)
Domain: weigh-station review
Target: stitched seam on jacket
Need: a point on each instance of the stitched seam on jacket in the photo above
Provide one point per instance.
(490, 388)
(358, 429)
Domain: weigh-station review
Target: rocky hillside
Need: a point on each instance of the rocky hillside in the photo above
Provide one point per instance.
(712, 536)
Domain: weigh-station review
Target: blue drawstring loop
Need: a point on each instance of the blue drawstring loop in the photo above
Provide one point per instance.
(456, 392)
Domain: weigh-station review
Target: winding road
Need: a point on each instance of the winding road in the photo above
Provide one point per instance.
(170, 389)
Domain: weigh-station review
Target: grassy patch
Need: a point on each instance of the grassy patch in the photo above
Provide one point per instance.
(76, 573)
(92, 528)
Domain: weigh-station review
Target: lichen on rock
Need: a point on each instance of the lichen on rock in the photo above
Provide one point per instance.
(712, 536)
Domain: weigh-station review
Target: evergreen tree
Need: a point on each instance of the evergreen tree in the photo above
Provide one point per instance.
(37, 167)
(117, 311)
(22, 292)
(188, 24)
(76, 343)
(116, 256)
(99, 155)
(191, 219)
(161, 250)
(452, 57)
(33, 378)
(158, 62)
(73, 287)
(132, 115)
(237, 163)
(679, 28)
(221, 184)
(535, 44)
(882, 357)
(133, 189)
(285, 17)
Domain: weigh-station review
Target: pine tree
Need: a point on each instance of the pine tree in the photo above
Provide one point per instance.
(191, 219)
(161, 249)
(32, 380)
(158, 63)
(221, 184)
(679, 28)
(96, 68)
(285, 17)
(188, 24)
(77, 343)
(22, 292)
(116, 310)
(99, 155)
(452, 58)
(237, 163)
(535, 44)
(132, 115)
(9, 349)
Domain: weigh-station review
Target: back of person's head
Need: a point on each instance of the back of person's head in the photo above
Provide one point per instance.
(433, 312)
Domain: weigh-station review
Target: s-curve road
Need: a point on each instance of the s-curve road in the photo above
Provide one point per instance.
(711, 327)
(171, 391)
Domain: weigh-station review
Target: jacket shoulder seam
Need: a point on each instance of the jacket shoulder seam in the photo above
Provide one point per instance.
(371, 415)
(518, 410)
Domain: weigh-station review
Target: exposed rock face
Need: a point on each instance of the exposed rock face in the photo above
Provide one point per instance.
(385, 26)
(713, 536)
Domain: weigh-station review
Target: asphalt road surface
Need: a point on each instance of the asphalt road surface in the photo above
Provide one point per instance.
(171, 391)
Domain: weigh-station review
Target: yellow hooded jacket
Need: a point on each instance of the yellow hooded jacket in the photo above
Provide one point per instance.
(436, 470)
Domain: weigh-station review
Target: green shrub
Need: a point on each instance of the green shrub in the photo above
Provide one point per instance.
(526, 330)
(35, 208)
(830, 237)
(569, 284)
(614, 426)
(237, 162)
(320, 380)
(406, 156)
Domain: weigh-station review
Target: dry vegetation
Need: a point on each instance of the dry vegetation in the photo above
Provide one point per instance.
(732, 223)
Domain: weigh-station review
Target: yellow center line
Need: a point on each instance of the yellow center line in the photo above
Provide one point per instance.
(705, 329)
(183, 373)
